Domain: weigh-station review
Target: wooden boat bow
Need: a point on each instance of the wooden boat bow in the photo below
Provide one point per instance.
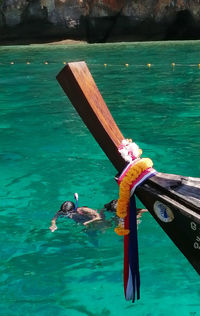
(173, 200)
(178, 194)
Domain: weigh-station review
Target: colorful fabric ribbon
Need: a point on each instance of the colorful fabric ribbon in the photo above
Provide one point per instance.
(131, 255)
(131, 177)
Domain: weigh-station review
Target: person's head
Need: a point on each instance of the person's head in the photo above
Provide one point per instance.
(111, 206)
(67, 207)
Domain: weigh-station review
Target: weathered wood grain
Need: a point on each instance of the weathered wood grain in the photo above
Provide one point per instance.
(79, 85)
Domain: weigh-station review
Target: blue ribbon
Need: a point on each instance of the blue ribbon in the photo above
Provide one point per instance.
(133, 255)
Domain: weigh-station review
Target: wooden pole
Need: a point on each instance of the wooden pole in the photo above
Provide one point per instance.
(78, 83)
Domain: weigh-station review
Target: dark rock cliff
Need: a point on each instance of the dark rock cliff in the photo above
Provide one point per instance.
(100, 20)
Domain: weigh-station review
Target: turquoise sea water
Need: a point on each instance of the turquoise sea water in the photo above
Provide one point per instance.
(47, 154)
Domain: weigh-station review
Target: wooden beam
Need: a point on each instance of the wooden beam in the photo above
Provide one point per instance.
(78, 83)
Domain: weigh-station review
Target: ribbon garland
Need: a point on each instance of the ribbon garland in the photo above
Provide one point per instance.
(137, 171)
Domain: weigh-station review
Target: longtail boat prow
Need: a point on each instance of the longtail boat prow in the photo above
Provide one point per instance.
(173, 200)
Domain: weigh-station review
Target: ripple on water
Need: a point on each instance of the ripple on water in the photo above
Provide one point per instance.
(47, 154)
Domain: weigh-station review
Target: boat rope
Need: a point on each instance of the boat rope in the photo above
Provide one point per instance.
(137, 171)
(105, 65)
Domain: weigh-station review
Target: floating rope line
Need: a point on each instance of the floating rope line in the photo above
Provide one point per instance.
(149, 65)
(105, 65)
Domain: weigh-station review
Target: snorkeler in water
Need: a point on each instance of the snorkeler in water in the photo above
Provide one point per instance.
(112, 206)
(83, 215)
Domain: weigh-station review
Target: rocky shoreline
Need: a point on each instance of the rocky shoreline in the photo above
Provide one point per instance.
(40, 42)
(98, 21)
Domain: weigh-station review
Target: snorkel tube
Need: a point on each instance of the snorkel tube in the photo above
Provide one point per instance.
(76, 198)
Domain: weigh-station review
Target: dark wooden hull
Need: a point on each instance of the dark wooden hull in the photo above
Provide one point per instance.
(184, 225)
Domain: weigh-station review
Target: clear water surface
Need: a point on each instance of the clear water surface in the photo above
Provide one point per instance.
(47, 154)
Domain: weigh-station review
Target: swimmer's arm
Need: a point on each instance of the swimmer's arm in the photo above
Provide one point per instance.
(92, 212)
(92, 220)
(53, 226)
